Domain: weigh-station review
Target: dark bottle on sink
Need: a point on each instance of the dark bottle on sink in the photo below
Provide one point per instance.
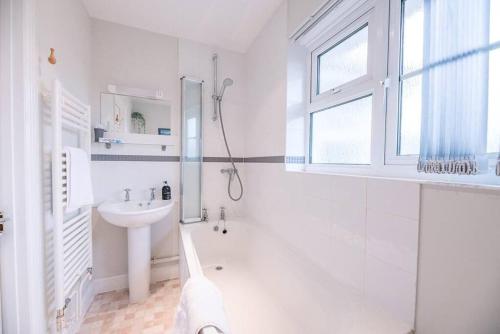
(165, 192)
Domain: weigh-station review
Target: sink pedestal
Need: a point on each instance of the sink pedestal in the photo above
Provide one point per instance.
(139, 262)
(137, 217)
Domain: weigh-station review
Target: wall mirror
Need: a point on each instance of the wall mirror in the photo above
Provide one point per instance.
(124, 114)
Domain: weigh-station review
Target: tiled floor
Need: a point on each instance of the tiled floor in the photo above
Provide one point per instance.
(111, 313)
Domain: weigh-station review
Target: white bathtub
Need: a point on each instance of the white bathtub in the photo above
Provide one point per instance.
(269, 289)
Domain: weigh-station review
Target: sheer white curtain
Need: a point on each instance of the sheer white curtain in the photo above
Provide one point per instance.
(455, 86)
(498, 166)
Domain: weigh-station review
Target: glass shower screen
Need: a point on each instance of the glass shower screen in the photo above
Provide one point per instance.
(191, 149)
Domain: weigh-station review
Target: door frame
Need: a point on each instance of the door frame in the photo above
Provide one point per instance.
(22, 243)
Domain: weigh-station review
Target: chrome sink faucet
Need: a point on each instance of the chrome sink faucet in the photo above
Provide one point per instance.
(127, 194)
(153, 196)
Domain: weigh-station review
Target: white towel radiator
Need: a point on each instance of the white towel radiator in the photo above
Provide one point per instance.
(72, 233)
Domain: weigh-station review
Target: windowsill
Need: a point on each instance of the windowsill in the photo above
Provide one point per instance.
(403, 173)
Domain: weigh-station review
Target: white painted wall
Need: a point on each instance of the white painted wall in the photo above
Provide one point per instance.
(299, 12)
(266, 64)
(135, 58)
(139, 59)
(65, 26)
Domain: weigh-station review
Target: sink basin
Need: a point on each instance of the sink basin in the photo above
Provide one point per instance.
(137, 217)
(135, 213)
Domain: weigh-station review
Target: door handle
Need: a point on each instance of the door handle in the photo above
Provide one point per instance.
(2, 221)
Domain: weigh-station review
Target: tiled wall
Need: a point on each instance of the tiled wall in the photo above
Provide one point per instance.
(361, 231)
(368, 232)
(195, 60)
(459, 261)
(392, 230)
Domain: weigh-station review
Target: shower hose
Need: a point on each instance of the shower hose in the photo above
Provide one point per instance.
(231, 159)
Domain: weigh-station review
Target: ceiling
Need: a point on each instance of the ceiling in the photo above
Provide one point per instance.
(229, 24)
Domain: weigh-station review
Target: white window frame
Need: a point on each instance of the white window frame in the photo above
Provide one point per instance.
(393, 91)
(351, 17)
(342, 34)
(382, 82)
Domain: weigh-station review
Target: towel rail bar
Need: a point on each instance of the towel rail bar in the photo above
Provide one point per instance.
(72, 234)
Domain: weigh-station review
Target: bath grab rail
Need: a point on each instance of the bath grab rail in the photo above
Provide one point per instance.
(72, 235)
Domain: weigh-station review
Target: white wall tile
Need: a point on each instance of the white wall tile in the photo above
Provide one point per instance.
(350, 216)
(348, 258)
(317, 186)
(459, 261)
(393, 288)
(393, 239)
(324, 217)
(348, 189)
(396, 197)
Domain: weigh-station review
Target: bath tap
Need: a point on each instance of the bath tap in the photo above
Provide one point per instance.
(127, 194)
(230, 171)
(222, 215)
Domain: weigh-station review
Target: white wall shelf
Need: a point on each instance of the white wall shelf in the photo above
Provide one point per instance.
(140, 139)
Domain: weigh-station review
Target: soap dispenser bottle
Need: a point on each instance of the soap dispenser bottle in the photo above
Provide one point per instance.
(165, 192)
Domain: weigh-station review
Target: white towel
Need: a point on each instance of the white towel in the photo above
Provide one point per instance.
(79, 183)
(201, 306)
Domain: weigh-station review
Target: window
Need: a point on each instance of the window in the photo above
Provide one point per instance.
(412, 69)
(360, 72)
(342, 134)
(343, 62)
(344, 90)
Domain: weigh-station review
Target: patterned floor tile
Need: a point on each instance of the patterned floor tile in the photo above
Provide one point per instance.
(110, 312)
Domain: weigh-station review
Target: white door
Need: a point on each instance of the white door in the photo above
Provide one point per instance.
(21, 243)
(9, 323)
(6, 193)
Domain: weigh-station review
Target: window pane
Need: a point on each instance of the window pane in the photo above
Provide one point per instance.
(494, 102)
(494, 21)
(346, 61)
(342, 134)
(411, 88)
(411, 111)
(413, 35)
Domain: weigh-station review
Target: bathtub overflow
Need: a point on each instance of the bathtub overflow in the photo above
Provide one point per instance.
(219, 268)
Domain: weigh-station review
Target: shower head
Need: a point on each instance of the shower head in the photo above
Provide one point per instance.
(227, 82)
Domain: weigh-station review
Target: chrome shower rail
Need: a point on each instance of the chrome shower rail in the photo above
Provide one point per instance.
(214, 95)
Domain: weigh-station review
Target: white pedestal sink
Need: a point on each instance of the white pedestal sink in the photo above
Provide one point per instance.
(137, 217)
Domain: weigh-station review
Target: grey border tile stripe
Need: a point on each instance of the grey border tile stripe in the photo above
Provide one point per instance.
(269, 159)
(222, 159)
(123, 157)
(298, 160)
(162, 158)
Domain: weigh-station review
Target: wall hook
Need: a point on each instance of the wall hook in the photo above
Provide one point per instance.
(52, 56)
